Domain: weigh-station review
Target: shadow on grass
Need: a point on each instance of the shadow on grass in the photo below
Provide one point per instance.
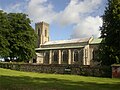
(29, 83)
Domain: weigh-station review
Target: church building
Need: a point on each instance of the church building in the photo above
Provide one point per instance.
(82, 51)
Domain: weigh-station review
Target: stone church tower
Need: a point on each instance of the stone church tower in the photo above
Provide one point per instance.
(42, 30)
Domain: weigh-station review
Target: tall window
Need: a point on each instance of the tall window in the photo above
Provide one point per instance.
(65, 56)
(39, 32)
(39, 40)
(45, 32)
(55, 57)
(46, 61)
(76, 55)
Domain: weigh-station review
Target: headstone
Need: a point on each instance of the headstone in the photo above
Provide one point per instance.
(116, 71)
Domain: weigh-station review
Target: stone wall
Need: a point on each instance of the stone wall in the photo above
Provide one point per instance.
(60, 69)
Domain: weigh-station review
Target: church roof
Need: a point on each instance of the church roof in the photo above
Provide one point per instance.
(67, 41)
(96, 41)
(55, 48)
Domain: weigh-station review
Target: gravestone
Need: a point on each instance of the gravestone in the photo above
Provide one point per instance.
(116, 71)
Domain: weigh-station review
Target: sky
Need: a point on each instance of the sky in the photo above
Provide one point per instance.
(68, 19)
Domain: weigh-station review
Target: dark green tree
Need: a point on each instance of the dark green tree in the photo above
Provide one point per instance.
(22, 38)
(4, 32)
(110, 32)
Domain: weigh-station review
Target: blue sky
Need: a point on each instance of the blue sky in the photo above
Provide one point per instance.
(67, 18)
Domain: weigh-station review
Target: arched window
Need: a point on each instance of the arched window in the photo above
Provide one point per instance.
(65, 56)
(55, 56)
(76, 55)
(46, 60)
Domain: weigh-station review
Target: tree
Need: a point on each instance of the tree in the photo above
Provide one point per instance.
(17, 37)
(22, 38)
(4, 28)
(110, 32)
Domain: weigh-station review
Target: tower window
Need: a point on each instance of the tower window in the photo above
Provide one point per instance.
(38, 32)
(45, 33)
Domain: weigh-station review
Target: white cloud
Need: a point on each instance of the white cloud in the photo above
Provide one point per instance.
(87, 28)
(41, 10)
(76, 13)
(77, 10)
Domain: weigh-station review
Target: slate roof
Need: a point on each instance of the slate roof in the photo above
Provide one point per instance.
(67, 41)
(55, 48)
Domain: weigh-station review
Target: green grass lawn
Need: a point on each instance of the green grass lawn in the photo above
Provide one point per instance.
(16, 80)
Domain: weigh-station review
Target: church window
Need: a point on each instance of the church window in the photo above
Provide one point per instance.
(55, 56)
(76, 55)
(65, 56)
(46, 58)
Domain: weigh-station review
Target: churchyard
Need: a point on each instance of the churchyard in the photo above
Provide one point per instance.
(18, 80)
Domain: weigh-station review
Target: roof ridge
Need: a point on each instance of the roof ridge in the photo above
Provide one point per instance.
(77, 40)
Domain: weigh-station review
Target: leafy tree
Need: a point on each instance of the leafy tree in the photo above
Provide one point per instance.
(4, 28)
(110, 32)
(17, 37)
(22, 38)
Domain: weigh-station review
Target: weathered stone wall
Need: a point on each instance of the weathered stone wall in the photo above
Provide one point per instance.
(60, 69)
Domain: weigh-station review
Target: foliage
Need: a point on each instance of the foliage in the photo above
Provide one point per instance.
(110, 32)
(4, 26)
(16, 80)
(20, 37)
